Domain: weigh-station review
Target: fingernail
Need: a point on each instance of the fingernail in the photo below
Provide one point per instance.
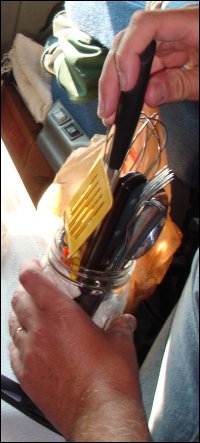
(104, 121)
(159, 93)
(131, 321)
(122, 80)
(101, 108)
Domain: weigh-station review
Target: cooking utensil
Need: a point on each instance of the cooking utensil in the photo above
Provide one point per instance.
(135, 202)
(142, 232)
(87, 207)
(100, 241)
(127, 117)
(161, 179)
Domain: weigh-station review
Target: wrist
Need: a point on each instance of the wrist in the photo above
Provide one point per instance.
(110, 416)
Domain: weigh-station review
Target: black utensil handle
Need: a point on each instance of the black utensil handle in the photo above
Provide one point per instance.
(97, 248)
(129, 109)
(121, 226)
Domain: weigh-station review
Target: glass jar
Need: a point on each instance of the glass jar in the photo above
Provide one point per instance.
(102, 294)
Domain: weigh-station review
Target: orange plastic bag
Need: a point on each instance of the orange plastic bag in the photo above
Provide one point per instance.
(151, 269)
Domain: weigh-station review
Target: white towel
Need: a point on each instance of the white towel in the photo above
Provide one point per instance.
(33, 81)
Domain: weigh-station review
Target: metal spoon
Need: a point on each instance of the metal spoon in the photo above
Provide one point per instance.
(142, 231)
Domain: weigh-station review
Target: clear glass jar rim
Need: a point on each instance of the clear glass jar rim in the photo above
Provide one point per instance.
(82, 272)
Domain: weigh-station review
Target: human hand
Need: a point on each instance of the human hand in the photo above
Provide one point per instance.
(177, 35)
(84, 379)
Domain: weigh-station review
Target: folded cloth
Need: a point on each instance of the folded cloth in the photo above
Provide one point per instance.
(33, 82)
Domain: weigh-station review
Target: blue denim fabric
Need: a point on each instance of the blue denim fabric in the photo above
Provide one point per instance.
(182, 127)
(170, 373)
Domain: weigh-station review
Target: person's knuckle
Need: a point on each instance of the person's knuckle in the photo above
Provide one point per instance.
(29, 356)
(11, 324)
(139, 18)
(24, 378)
(182, 87)
(39, 337)
(11, 318)
(178, 87)
(17, 340)
(15, 298)
(117, 39)
(28, 272)
(26, 313)
(23, 276)
(101, 83)
(119, 59)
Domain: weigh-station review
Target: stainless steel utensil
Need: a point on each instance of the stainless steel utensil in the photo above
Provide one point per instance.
(142, 231)
(161, 179)
(96, 254)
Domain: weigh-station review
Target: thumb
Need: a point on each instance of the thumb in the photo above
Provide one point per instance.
(123, 326)
(172, 85)
(42, 290)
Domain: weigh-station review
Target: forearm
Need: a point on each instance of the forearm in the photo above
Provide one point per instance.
(120, 420)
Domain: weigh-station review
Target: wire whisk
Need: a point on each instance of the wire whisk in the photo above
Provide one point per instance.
(150, 135)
